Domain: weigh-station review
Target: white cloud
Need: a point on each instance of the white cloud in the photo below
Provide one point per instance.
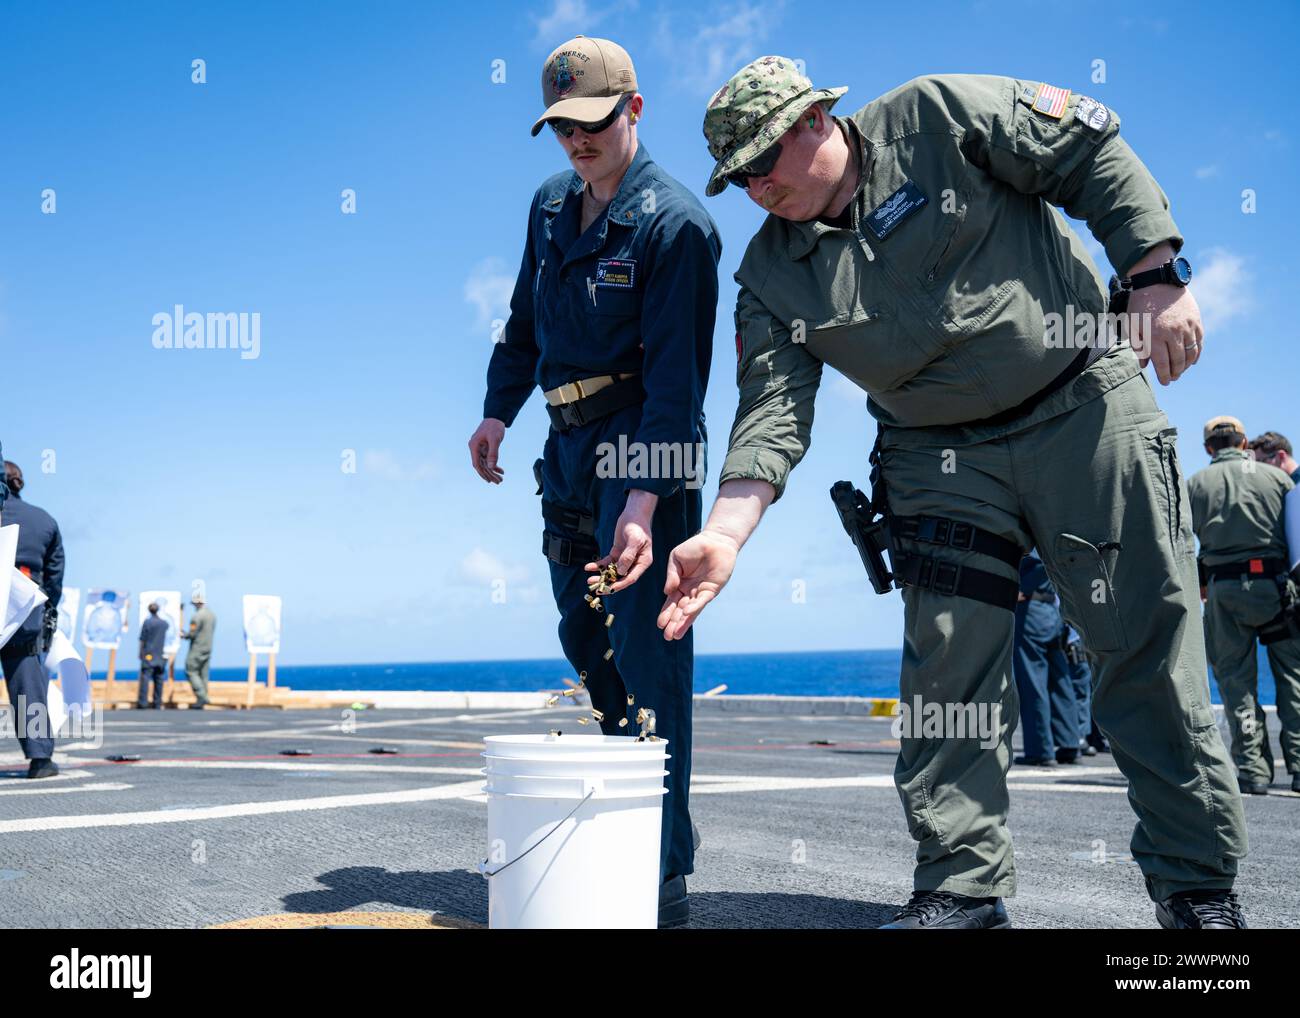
(1205, 172)
(383, 464)
(482, 567)
(488, 288)
(1221, 284)
(716, 42)
(573, 17)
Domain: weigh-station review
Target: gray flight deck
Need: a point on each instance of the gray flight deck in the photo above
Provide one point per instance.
(800, 822)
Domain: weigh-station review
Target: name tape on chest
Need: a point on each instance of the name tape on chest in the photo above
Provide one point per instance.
(616, 272)
(883, 219)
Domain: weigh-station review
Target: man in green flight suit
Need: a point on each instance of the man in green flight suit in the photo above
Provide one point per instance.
(914, 246)
(202, 628)
(1237, 512)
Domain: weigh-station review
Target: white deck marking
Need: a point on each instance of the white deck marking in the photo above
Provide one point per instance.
(61, 776)
(94, 786)
(305, 765)
(239, 809)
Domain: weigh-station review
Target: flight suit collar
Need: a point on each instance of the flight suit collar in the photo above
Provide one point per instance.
(804, 236)
(1227, 454)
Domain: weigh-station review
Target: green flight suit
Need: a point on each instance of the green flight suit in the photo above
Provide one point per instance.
(202, 627)
(943, 321)
(1237, 512)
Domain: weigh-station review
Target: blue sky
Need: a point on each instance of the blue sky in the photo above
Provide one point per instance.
(175, 465)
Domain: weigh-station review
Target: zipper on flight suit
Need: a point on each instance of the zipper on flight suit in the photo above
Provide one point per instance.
(591, 290)
(538, 281)
(857, 228)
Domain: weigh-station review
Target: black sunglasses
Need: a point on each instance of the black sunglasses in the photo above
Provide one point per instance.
(760, 166)
(565, 127)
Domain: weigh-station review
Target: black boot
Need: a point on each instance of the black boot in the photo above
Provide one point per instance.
(1295, 782)
(42, 767)
(674, 910)
(1035, 761)
(1201, 910)
(942, 910)
(1252, 786)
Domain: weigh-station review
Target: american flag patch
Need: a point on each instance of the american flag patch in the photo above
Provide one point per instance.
(1051, 100)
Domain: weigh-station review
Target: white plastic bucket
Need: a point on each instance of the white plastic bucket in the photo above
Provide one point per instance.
(596, 868)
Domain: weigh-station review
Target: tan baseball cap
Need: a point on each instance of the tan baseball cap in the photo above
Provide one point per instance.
(583, 80)
(1222, 424)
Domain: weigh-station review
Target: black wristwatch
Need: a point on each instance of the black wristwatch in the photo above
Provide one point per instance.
(1175, 272)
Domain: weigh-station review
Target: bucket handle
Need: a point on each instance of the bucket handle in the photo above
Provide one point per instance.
(482, 867)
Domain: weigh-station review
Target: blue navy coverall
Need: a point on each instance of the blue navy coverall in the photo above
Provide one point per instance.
(1055, 713)
(40, 555)
(153, 666)
(637, 292)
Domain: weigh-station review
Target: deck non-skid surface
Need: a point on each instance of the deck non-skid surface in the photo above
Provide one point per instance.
(800, 822)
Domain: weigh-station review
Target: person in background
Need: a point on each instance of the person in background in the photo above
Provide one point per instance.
(1274, 449)
(40, 557)
(202, 628)
(1047, 688)
(153, 634)
(1237, 512)
(1091, 741)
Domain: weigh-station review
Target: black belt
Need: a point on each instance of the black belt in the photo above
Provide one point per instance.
(565, 518)
(954, 534)
(599, 404)
(1250, 569)
(956, 580)
(948, 577)
(565, 551)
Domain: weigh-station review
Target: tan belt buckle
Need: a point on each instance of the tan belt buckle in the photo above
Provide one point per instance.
(571, 392)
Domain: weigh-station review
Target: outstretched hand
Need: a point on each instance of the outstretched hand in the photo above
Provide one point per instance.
(698, 569)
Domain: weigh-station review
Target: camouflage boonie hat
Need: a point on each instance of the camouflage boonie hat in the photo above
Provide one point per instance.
(759, 104)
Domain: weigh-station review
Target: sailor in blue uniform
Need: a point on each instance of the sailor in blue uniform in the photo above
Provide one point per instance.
(612, 317)
(40, 556)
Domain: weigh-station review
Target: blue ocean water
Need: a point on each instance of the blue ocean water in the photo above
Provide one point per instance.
(810, 673)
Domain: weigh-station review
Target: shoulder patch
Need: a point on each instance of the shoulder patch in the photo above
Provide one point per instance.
(1092, 113)
(1049, 100)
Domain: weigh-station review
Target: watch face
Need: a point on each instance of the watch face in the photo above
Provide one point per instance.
(1183, 270)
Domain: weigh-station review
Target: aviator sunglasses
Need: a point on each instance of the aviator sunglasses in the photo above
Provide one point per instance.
(565, 127)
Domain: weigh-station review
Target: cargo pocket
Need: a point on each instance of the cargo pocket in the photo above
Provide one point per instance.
(1088, 595)
(1166, 481)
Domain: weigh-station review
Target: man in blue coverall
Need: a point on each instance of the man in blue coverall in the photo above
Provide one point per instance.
(612, 317)
(1055, 715)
